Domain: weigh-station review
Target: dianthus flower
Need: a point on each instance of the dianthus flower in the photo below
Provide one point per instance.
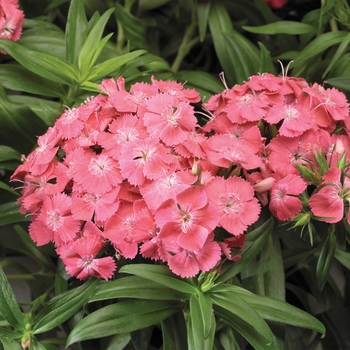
(328, 201)
(11, 20)
(284, 202)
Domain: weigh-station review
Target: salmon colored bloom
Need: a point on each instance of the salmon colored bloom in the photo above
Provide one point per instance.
(234, 200)
(284, 201)
(328, 201)
(11, 20)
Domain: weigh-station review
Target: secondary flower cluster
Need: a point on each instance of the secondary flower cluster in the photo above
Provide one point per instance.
(11, 20)
(304, 170)
(132, 172)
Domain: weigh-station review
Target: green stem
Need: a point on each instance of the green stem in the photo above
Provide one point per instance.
(186, 45)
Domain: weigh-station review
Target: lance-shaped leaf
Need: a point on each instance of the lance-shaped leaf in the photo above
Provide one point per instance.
(15, 129)
(254, 242)
(160, 274)
(203, 9)
(44, 65)
(76, 31)
(325, 259)
(269, 308)
(9, 214)
(64, 306)
(10, 344)
(9, 306)
(201, 324)
(136, 287)
(238, 309)
(111, 66)
(343, 258)
(318, 45)
(282, 27)
(92, 46)
(125, 316)
(18, 78)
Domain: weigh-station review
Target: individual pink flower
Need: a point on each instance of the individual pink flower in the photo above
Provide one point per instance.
(177, 90)
(187, 219)
(168, 186)
(284, 201)
(327, 203)
(276, 4)
(55, 221)
(286, 152)
(246, 108)
(223, 151)
(234, 200)
(187, 263)
(168, 120)
(121, 130)
(295, 119)
(81, 261)
(97, 173)
(72, 121)
(101, 206)
(11, 20)
(124, 229)
(144, 159)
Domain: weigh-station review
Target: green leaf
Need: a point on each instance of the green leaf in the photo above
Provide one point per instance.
(19, 126)
(76, 31)
(10, 344)
(265, 275)
(134, 28)
(238, 307)
(31, 249)
(343, 258)
(342, 83)
(271, 309)
(266, 63)
(203, 9)
(160, 274)
(326, 257)
(318, 45)
(254, 242)
(92, 44)
(201, 322)
(18, 78)
(44, 65)
(135, 287)
(122, 317)
(9, 214)
(8, 153)
(244, 55)
(9, 306)
(254, 337)
(220, 23)
(343, 47)
(174, 332)
(282, 27)
(64, 306)
(7, 188)
(111, 66)
(202, 81)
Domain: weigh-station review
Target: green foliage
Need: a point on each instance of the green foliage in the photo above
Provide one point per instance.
(281, 291)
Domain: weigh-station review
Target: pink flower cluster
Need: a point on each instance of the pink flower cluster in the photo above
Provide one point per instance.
(128, 172)
(11, 20)
(132, 172)
(304, 164)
